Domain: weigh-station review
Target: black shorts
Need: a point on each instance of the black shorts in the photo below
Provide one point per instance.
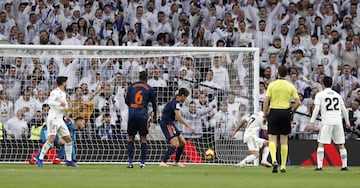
(136, 125)
(279, 122)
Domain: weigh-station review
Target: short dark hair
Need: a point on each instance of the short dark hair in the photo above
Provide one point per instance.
(60, 80)
(143, 75)
(282, 71)
(79, 118)
(327, 81)
(183, 91)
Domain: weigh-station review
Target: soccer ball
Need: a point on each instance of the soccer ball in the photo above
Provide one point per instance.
(209, 154)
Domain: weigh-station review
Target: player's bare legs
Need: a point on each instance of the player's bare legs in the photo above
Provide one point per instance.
(174, 143)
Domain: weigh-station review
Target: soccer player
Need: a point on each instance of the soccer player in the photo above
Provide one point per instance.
(278, 95)
(137, 98)
(331, 106)
(254, 124)
(56, 126)
(171, 132)
(72, 125)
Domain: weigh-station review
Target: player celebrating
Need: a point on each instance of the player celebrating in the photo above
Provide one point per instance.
(56, 126)
(171, 132)
(331, 105)
(137, 98)
(254, 124)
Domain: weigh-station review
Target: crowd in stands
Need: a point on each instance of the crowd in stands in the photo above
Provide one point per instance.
(313, 38)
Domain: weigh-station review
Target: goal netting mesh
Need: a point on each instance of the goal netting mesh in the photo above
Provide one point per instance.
(224, 78)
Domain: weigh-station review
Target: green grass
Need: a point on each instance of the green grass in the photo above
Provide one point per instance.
(192, 176)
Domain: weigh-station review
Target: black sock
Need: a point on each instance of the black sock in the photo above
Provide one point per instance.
(131, 152)
(170, 150)
(143, 152)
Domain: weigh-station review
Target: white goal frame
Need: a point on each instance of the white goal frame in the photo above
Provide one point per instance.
(14, 51)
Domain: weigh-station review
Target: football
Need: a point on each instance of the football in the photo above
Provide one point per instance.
(209, 154)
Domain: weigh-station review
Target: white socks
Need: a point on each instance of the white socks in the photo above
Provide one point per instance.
(343, 155)
(265, 154)
(68, 150)
(320, 157)
(44, 149)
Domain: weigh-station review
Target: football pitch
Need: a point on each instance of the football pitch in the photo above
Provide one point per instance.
(153, 176)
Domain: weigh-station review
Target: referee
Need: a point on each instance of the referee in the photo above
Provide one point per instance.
(278, 95)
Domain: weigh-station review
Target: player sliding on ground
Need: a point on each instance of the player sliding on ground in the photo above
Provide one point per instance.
(254, 124)
(171, 132)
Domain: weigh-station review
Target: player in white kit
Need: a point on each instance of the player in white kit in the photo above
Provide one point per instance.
(331, 107)
(55, 123)
(254, 124)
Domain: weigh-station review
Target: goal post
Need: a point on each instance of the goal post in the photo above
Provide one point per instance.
(223, 82)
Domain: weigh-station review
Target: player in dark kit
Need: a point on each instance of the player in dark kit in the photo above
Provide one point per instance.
(137, 98)
(171, 132)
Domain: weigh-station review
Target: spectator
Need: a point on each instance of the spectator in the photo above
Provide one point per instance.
(210, 85)
(16, 127)
(221, 75)
(223, 122)
(28, 104)
(32, 28)
(36, 125)
(185, 41)
(328, 60)
(185, 81)
(161, 25)
(243, 37)
(202, 38)
(55, 18)
(6, 106)
(299, 84)
(70, 37)
(345, 83)
(106, 130)
(107, 32)
(22, 13)
(194, 117)
(349, 56)
(6, 24)
(131, 39)
(157, 80)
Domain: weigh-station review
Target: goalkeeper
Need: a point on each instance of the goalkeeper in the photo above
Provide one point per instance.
(72, 125)
(254, 124)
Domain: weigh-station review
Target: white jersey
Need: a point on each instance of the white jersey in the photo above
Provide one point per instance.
(331, 107)
(254, 125)
(57, 96)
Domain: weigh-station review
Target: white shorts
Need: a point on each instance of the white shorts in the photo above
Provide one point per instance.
(254, 143)
(57, 126)
(331, 132)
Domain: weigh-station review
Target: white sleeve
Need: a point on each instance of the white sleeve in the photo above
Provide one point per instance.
(315, 113)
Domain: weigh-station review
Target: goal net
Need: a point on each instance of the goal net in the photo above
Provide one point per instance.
(223, 82)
